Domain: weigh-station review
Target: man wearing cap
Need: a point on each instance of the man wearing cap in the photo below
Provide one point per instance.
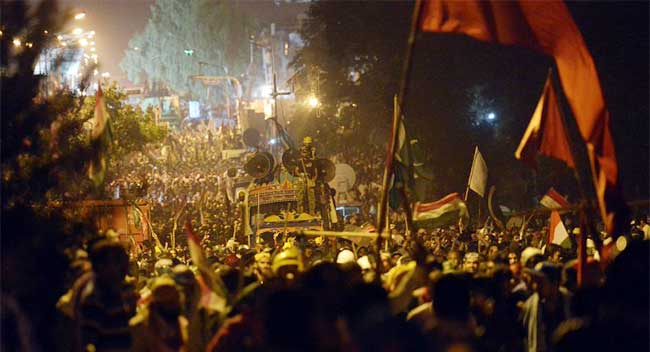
(107, 302)
(263, 266)
(470, 263)
(545, 309)
(161, 327)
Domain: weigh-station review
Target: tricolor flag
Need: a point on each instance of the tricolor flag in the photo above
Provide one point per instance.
(478, 174)
(554, 200)
(446, 211)
(547, 27)
(557, 233)
(545, 134)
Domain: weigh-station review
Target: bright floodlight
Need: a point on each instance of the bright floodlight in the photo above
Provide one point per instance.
(491, 116)
(313, 101)
(80, 16)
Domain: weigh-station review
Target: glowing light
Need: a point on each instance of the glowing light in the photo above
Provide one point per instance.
(106, 74)
(266, 91)
(45, 32)
(621, 243)
(92, 49)
(83, 42)
(273, 141)
(80, 16)
(77, 31)
(313, 102)
(17, 42)
(491, 116)
(59, 37)
(29, 45)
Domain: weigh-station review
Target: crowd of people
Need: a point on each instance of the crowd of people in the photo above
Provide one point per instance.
(442, 289)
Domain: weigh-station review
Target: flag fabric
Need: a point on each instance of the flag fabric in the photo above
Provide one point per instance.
(101, 137)
(547, 27)
(545, 134)
(446, 211)
(406, 167)
(208, 276)
(557, 233)
(100, 118)
(478, 174)
(554, 200)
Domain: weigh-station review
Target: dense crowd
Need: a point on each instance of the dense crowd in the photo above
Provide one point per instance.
(441, 290)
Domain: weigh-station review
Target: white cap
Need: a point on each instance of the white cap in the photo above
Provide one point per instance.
(345, 256)
(528, 253)
(364, 263)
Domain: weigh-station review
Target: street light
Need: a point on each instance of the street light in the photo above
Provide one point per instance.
(80, 16)
(313, 102)
(17, 42)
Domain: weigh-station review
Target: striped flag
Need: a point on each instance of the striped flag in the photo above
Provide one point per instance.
(557, 233)
(554, 200)
(446, 211)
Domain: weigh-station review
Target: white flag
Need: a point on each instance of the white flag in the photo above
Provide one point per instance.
(478, 175)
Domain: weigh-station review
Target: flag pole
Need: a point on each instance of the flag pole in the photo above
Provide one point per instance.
(584, 219)
(398, 101)
(471, 172)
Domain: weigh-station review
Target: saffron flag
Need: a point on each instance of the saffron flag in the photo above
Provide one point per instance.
(446, 211)
(554, 200)
(557, 233)
(547, 27)
(545, 134)
(478, 174)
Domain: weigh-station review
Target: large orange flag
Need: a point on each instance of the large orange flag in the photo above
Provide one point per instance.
(545, 134)
(547, 27)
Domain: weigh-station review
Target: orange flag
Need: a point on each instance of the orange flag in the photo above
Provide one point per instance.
(545, 134)
(547, 27)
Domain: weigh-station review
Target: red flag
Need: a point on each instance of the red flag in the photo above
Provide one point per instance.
(547, 27)
(545, 134)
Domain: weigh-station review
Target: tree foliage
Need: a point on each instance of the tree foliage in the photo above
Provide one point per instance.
(216, 33)
(351, 59)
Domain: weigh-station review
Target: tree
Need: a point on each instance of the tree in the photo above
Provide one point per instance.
(133, 131)
(352, 57)
(185, 38)
(41, 154)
